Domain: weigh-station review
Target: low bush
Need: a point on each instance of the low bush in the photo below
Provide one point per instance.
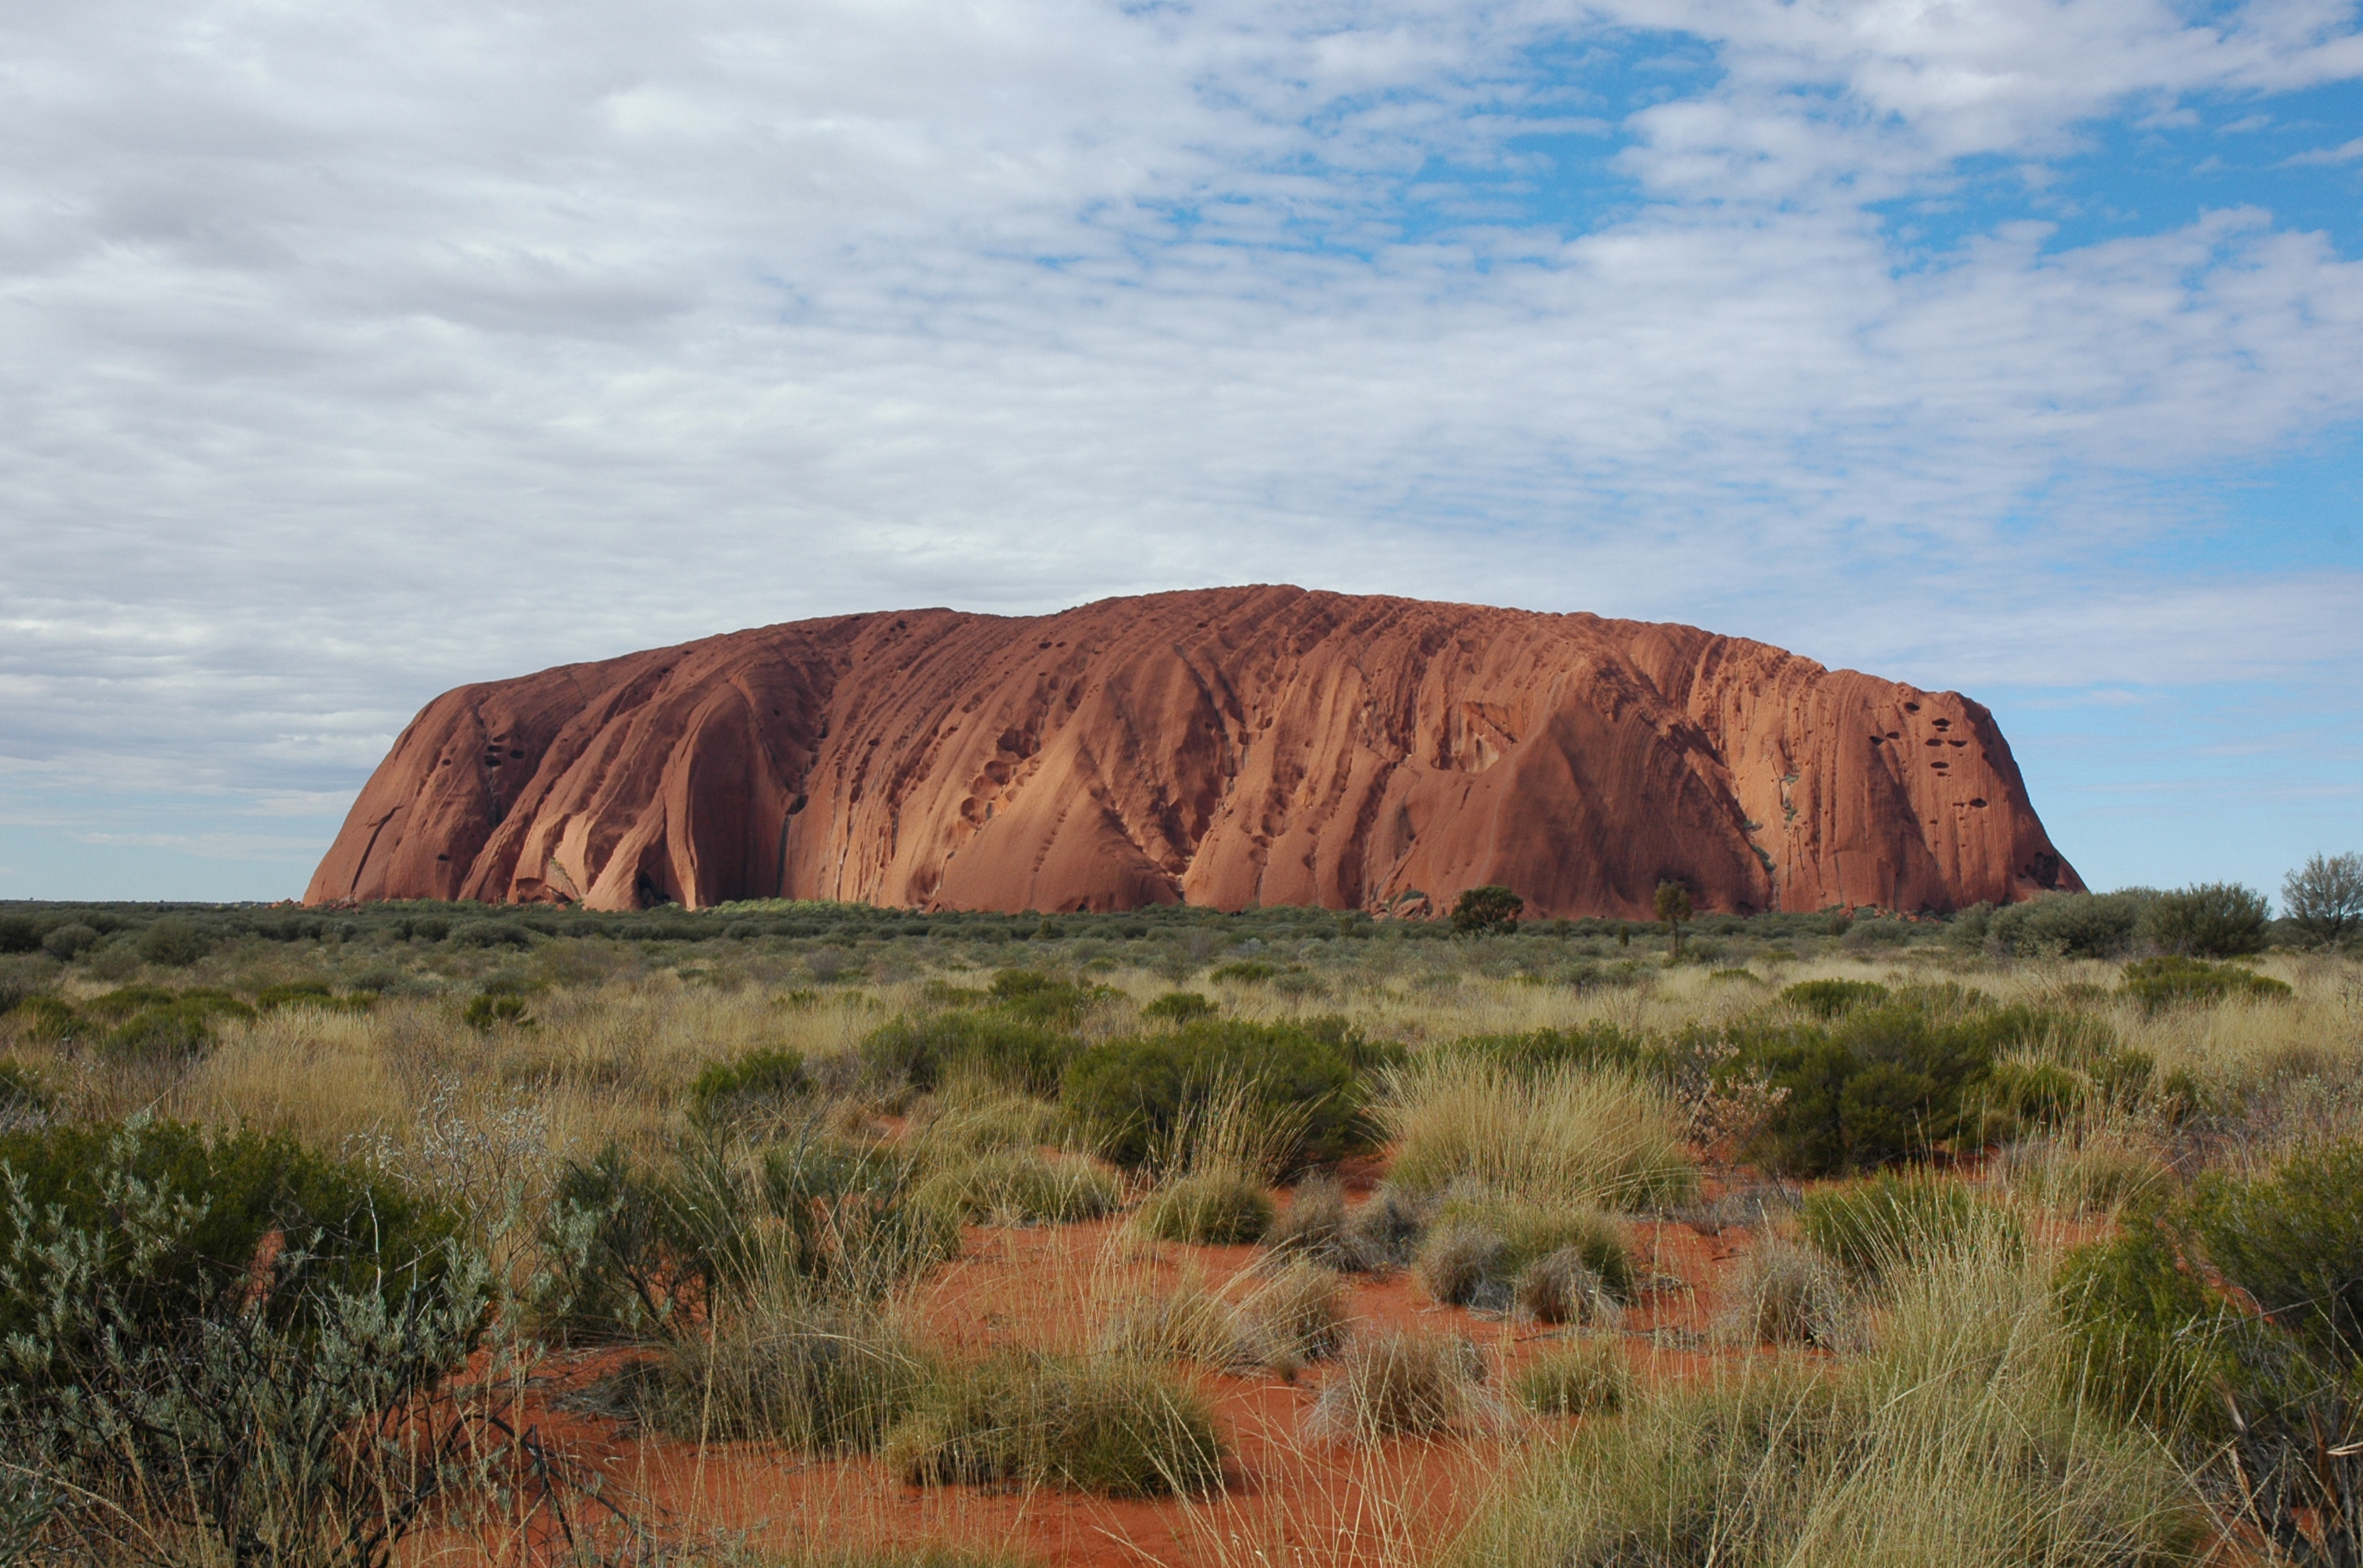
(1881, 1083)
(1875, 1228)
(355, 1229)
(1834, 999)
(1245, 972)
(1220, 1206)
(2292, 1241)
(1179, 1007)
(1022, 1053)
(1404, 1384)
(487, 1012)
(1383, 1234)
(1586, 1379)
(494, 933)
(2212, 919)
(2068, 925)
(1144, 1097)
(631, 1246)
(1543, 1053)
(231, 1344)
(69, 942)
(1109, 1425)
(2161, 983)
(754, 1086)
(174, 943)
(1031, 997)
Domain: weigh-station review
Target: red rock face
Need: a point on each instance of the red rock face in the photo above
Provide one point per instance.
(1226, 747)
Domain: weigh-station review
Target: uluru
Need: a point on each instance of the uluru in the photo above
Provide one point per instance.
(1226, 747)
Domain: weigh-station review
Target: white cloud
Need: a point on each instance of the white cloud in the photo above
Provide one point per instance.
(357, 352)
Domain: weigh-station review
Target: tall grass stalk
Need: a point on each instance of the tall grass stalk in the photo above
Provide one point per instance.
(1588, 1137)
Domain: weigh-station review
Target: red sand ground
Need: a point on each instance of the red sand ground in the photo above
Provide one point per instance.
(1285, 1501)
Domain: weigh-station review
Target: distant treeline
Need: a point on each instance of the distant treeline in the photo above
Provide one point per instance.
(2212, 921)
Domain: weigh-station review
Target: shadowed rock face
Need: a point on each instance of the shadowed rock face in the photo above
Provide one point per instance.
(1226, 747)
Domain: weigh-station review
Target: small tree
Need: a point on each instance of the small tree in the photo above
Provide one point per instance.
(1489, 908)
(1673, 907)
(2325, 895)
(2211, 920)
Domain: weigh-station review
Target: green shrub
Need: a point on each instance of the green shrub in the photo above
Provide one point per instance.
(1114, 1427)
(174, 943)
(2211, 920)
(2293, 1242)
(20, 933)
(1217, 1208)
(1179, 1007)
(1481, 911)
(1245, 972)
(176, 1381)
(1136, 1095)
(25, 1099)
(1022, 1053)
(1585, 1380)
(69, 942)
(2153, 1343)
(488, 1012)
(1834, 999)
(1879, 1084)
(753, 1085)
(1874, 1228)
(356, 1231)
(494, 933)
(2068, 925)
(2161, 983)
(48, 1020)
(631, 1246)
(1036, 998)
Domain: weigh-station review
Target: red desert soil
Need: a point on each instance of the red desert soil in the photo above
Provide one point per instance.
(1286, 1500)
(1224, 747)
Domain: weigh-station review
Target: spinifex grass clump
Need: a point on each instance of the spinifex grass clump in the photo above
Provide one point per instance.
(1587, 1378)
(1106, 1425)
(1954, 1444)
(1488, 1251)
(1589, 1137)
(1873, 1227)
(1783, 1294)
(1404, 1385)
(1019, 1186)
(1223, 1205)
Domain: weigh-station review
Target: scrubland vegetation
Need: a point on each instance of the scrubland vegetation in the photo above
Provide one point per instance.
(803, 1235)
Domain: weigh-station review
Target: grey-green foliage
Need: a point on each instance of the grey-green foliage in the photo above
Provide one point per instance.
(2325, 897)
(286, 1437)
(2209, 920)
(2070, 926)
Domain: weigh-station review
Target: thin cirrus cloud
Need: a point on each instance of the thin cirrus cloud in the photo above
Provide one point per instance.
(358, 351)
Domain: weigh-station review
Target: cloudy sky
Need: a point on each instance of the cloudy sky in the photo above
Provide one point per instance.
(352, 351)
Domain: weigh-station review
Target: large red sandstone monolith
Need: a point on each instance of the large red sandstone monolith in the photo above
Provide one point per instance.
(1228, 747)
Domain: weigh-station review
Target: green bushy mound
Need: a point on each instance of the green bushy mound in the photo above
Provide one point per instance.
(750, 1086)
(1133, 1095)
(1874, 1228)
(1833, 998)
(1022, 1053)
(2161, 983)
